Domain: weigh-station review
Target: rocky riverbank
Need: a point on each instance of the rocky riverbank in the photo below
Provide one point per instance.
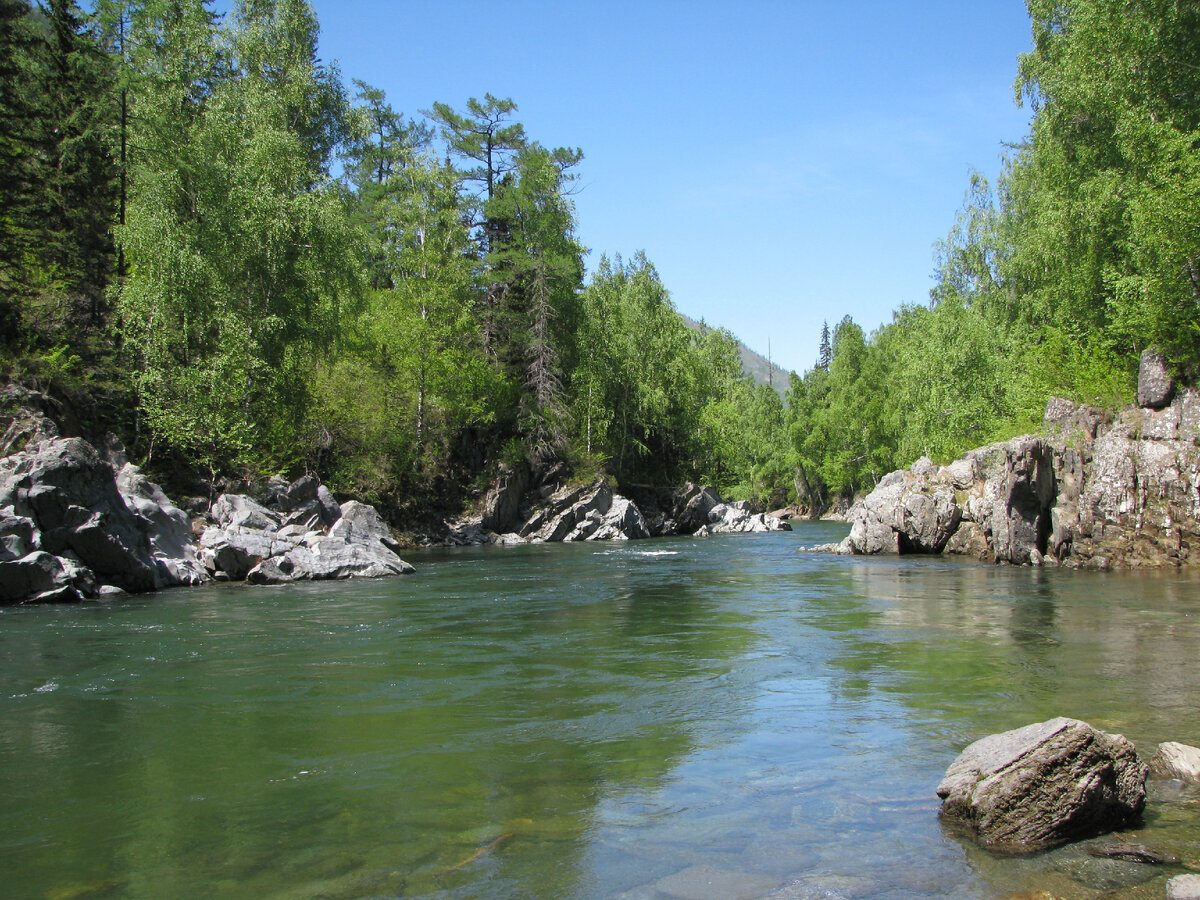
(78, 521)
(1093, 490)
(512, 513)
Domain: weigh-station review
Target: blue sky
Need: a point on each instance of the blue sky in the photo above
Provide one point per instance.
(781, 164)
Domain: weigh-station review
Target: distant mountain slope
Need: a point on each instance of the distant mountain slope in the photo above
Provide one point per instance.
(757, 366)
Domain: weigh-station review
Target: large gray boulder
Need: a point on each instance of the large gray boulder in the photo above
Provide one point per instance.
(908, 512)
(241, 511)
(41, 577)
(230, 553)
(692, 508)
(359, 545)
(68, 492)
(253, 543)
(166, 526)
(1043, 785)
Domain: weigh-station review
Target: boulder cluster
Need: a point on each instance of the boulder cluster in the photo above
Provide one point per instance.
(79, 521)
(301, 533)
(513, 514)
(1092, 490)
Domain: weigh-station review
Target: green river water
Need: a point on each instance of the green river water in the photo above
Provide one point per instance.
(679, 718)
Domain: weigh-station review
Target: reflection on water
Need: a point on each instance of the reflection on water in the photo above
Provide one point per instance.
(679, 718)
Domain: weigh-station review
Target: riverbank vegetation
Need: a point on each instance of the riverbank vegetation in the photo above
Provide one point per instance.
(1052, 281)
(273, 269)
(216, 246)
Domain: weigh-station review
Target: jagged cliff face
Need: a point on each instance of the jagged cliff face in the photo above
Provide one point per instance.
(1092, 490)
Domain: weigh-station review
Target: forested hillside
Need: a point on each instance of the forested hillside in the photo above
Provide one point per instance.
(1052, 281)
(242, 263)
(175, 242)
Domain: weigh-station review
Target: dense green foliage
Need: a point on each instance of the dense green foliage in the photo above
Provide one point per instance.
(288, 278)
(1086, 253)
(283, 276)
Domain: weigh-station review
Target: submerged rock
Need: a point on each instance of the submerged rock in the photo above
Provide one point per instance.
(1043, 785)
(1184, 887)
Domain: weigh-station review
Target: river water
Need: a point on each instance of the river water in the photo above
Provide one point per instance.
(679, 718)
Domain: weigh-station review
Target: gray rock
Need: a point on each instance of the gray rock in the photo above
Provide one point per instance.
(1013, 509)
(18, 535)
(1189, 415)
(623, 521)
(554, 505)
(1155, 387)
(1174, 760)
(237, 549)
(969, 540)
(924, 467)
(361, 522)
(1044, 785)
(502, 504)
(167, 528)
(240, 511)
(41, 577)
(736, 518)
(693, 507)
(69, 492)
(561, 526)
(331, 510)
(301, 491)
(1184, 887)
(914, 512)
(321, 557)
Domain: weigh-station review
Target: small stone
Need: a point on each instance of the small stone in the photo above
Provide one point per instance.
(711, 883)
(1175, 760)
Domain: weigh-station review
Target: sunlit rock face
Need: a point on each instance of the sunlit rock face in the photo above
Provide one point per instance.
(1088, 491)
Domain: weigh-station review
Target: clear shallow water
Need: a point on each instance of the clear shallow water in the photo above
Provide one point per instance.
(680, 718)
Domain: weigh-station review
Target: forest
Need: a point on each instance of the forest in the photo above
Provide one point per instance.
(216, 247)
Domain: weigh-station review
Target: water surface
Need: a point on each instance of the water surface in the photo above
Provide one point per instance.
(712, 718)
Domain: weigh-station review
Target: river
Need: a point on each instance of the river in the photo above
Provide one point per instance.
(678, 718)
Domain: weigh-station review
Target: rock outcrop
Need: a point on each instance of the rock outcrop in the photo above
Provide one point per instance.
(581, 513)
(306, 537)
(1091, 490)
(738, 518)
(593, 512)
(1044, 785)
(67, 529)
(77, 523)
